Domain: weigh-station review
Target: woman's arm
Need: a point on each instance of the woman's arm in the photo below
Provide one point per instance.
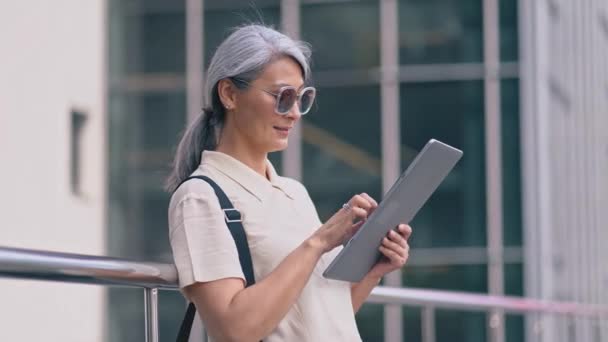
(395, 251)
(232, 312)
(361, 290)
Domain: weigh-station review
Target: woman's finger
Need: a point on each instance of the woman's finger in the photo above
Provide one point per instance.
(394, 246)
(361, 202)
(372, 201)
(397, 238)
(393, 257)
(357, 213)
(405, 230)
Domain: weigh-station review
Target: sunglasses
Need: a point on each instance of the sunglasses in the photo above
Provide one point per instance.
(287, 96)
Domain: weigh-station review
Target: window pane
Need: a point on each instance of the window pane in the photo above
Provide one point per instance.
(126, 314)
(454, 325)
(440, 31)
(514, 286)
(143, 130)
(511, 166)
(341, 157)
(221, 16)
(450, 325)
(451, 112)
(514, 280)
(370, 322)
(467, 278)
(509, 48)
(147, 37)
(514, 328)
(341, 147)
(344, 35)
(163, 42)
(276, 158)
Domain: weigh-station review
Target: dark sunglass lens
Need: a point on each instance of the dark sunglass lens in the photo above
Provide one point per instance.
(286, 99)
(306, 101)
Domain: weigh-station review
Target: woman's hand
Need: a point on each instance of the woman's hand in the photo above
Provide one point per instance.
(395, 251)
(344, 223)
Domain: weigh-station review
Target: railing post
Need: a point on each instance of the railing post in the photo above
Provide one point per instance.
(151, 312)
(428, 323)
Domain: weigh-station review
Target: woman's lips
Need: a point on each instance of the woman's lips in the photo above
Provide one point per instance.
(282, 130)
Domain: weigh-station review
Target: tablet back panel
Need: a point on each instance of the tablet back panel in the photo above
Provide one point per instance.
(401, 203)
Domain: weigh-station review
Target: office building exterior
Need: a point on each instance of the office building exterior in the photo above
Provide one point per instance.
(519, 86)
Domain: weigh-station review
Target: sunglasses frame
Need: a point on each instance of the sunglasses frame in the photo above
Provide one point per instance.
(278, 94)
(298, 99)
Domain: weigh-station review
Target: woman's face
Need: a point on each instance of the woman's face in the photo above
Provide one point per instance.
(255, 119)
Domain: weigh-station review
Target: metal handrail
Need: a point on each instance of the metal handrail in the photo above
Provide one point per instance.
(87, 269)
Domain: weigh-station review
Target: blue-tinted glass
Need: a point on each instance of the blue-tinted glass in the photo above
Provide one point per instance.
(511, 168)
(370, 321)
(451, 325)
(454, 325)
(514, 280)
(514, 287)
(468, 278)
(148, 37)
(451, 112)
(126, 310)
(509, 32)
(341, 146)
(143, 130)
(222, 16)
(344, 35)
(514, 328)
(440, 31)
(127, 313)
(412, 323)
(276, 158)
(341, 158)
(163, 42)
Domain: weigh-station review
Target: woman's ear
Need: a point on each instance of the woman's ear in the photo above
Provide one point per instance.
(227, 93)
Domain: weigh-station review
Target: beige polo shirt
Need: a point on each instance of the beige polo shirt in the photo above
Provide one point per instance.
(278, 215)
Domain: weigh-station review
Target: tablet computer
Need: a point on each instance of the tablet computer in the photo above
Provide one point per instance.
(400, 205)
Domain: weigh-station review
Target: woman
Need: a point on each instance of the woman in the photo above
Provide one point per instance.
(256, 91)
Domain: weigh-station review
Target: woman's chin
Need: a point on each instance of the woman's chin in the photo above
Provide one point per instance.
(279, 145)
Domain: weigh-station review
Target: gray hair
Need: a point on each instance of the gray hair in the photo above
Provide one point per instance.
(242, 56)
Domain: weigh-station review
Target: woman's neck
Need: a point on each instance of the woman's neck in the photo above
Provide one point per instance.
(244, 153)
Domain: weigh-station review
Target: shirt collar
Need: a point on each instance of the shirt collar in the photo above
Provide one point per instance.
(250, 180)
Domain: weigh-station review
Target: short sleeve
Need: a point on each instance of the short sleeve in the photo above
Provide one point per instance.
(308, 204)
(203, 248)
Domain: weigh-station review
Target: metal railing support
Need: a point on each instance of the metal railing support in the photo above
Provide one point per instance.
(428, 323)
(151, 312)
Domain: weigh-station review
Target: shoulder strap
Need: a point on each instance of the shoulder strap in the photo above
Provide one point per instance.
(235, 226)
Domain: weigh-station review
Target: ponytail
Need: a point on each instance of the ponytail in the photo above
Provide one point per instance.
(200, 135)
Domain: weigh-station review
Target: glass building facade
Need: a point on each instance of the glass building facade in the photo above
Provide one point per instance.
(441, 94)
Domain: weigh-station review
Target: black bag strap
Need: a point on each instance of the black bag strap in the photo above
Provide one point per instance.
(235, 226)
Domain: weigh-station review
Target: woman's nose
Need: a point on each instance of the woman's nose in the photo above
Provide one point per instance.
(294, 112)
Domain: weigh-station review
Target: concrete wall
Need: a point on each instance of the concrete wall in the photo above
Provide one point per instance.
(564, 75)
(52, 60)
